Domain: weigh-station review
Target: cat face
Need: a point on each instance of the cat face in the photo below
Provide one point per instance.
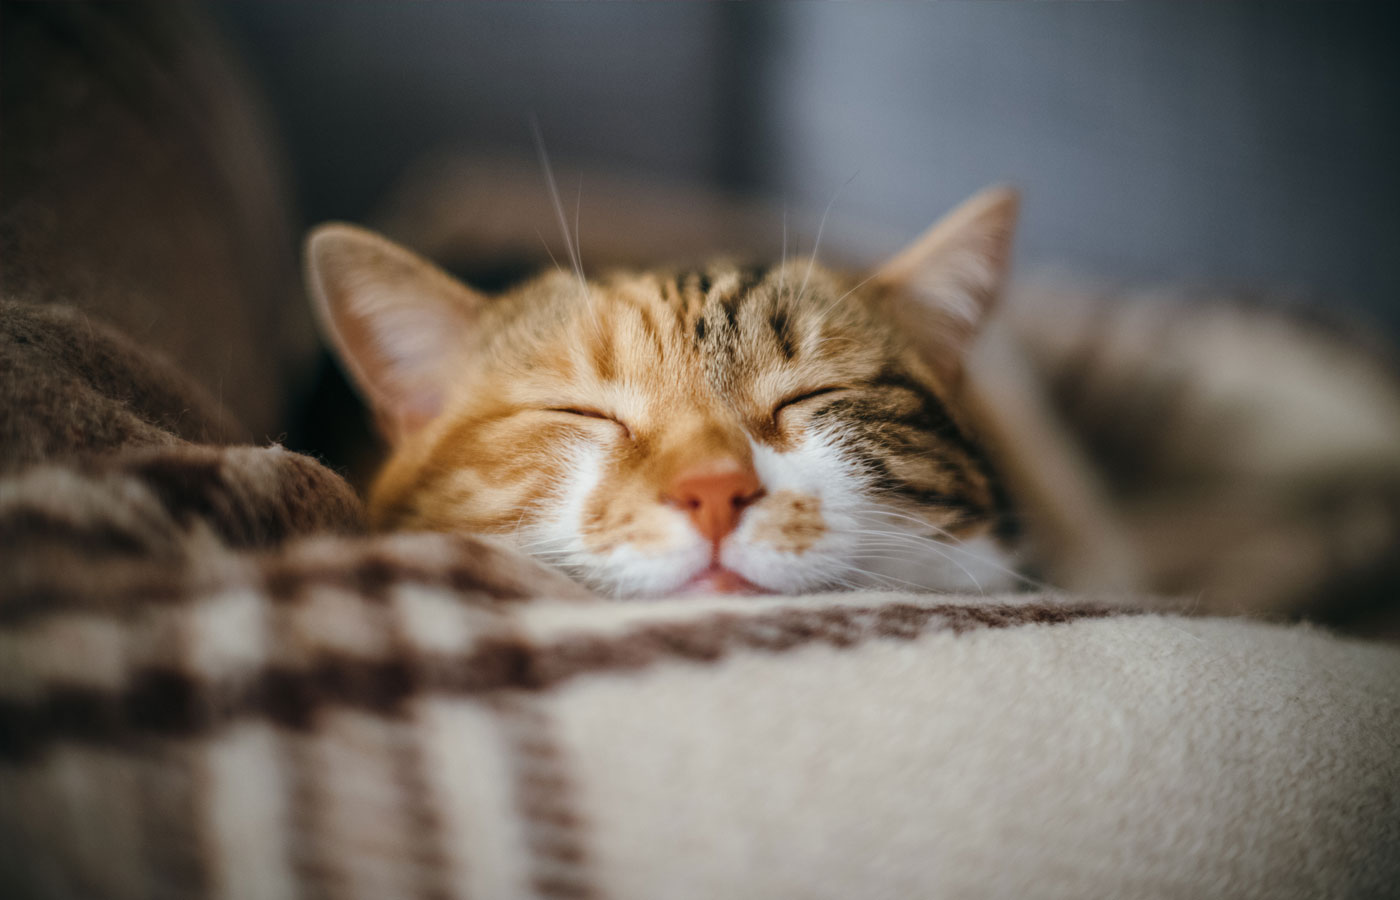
(783, 429)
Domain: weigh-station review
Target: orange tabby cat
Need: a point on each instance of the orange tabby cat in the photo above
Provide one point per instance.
(785, 430)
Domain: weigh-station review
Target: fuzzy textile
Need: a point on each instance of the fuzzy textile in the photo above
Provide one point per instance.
(212, 685)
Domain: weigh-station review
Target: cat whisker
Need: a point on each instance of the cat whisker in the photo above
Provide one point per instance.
(578, 233)
(559, 213)
(949, 541)
(916, 538)
(922, 523)
(541, 550)
(834, 579)
(977, 585)
(782, 258)
(821, 226)
(816, 345)
(549, 251)
(939, 549)
(545, 543)
(936, 546)
(833, 304)
(880, 577)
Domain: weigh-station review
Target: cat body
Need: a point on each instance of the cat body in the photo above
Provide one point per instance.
(786, 429)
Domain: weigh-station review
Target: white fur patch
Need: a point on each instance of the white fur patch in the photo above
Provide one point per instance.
(815, 469)
(557, 538)
(864, 544)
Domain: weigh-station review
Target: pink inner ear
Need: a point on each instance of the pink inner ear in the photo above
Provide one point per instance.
(396, 320)
(948, 280)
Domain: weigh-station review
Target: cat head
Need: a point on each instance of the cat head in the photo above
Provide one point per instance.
(783, 429)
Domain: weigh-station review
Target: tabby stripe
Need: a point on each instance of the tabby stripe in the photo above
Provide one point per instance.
(699, 277)
(603, 356)
(730, 307)
(934, 418)
(164, 702)
(730, 301)
(885, 480)
(782, 330)
(652, 328)
(669, 294)
(933, 415)
(745, 281)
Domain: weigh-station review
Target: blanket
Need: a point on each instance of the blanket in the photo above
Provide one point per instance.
(213, 684)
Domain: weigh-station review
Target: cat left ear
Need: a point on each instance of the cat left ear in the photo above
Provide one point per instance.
(943, 286)
(399, 324)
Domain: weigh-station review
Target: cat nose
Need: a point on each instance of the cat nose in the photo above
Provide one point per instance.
(715, 499)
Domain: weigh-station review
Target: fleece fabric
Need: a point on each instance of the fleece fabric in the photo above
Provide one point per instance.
(351, 718)
(213, 685)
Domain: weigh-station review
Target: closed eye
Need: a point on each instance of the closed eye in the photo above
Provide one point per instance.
(590, 413)
(804, 397)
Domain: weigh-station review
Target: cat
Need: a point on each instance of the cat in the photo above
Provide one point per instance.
(783, 429)
(796, 429)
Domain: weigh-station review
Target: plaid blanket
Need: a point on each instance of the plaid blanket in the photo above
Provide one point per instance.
(213, 684)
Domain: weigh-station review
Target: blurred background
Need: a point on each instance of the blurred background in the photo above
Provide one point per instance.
(1249, 146)
(161, 161)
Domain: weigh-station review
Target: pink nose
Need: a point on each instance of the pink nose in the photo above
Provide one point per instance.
(715, 499)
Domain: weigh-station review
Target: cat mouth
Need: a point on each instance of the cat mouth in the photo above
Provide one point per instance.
(719, 580)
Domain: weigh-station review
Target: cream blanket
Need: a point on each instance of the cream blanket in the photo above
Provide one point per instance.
(348, 720)
(199, 696)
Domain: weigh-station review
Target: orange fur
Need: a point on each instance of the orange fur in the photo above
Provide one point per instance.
(620, 387)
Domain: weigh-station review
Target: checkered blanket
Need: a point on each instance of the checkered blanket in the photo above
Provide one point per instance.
(213, 684)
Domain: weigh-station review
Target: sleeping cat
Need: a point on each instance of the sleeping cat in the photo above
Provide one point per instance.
(795, 429)
(724, 429)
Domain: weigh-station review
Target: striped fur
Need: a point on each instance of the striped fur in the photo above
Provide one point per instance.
(558, 414)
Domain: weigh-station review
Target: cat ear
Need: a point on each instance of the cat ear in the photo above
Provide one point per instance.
(397, 321)
(943, 286)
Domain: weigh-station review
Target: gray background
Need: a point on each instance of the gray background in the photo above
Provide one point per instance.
(1246, 145)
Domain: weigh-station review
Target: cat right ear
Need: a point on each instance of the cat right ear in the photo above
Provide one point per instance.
(397, 322)
(945, 284)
